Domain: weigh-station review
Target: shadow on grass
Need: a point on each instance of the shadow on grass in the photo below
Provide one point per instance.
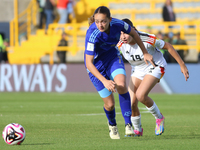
(197, 136)
(40, 144)
(161, 137)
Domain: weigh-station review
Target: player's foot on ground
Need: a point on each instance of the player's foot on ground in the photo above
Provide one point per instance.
(160, 126)
(113, 131)
(138, 133)
(129, 130)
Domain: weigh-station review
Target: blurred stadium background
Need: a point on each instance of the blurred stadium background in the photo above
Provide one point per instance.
(30, 45)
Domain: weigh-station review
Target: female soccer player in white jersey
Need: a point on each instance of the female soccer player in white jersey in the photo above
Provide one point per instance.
(144, 77)
(105, 66)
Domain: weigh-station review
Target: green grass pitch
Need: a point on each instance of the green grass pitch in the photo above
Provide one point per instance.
(76, 121)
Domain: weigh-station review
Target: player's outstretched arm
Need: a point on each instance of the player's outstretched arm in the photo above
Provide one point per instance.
(176, 56)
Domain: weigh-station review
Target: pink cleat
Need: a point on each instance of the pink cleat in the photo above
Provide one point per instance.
(159, 126)
(138, 133)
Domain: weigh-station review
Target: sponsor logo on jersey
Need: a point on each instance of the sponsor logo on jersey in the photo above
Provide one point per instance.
(102, 45)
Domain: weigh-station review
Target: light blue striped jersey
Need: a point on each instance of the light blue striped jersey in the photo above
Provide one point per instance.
(103, 45)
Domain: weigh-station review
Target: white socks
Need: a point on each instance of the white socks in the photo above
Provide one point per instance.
(155, 111)
(136, 122)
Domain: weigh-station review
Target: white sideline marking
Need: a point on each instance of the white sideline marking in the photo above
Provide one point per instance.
(96, 114)
(99, 114)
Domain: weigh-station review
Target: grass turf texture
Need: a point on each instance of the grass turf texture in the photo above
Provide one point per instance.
(76, 121)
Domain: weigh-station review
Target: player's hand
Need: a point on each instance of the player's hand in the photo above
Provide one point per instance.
(110, 85)
(185, 72)
(148, 57)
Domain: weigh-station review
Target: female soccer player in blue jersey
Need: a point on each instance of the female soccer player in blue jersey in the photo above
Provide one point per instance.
(105, 66)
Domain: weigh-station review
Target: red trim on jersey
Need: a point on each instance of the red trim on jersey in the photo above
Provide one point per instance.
(151, 40)
(162, 70)
(119, 44)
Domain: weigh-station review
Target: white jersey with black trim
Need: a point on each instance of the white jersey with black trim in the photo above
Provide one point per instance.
(134, 55)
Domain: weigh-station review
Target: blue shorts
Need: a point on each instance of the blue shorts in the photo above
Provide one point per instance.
(115, 67)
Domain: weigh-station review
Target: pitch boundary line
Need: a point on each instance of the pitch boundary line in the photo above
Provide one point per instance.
(99, 114)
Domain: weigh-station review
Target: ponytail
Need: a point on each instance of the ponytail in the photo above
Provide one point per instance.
(91, 20)
(101, 10)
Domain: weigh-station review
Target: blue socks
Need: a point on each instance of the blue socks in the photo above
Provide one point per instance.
(111, 117)
(125, 104)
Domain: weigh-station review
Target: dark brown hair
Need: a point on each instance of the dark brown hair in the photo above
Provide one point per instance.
(129, 22)
(101, 10)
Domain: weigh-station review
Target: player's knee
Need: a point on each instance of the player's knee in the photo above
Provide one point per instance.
(121, 88)
(109, 106)
(140, 96)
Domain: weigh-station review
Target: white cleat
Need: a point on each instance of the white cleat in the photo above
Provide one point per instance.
(113, 131)
(129, 130)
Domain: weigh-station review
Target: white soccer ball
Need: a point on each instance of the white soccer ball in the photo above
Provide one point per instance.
(13, 134)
